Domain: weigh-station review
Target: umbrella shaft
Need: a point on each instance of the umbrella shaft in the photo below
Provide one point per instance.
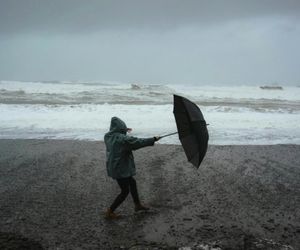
(168, 134)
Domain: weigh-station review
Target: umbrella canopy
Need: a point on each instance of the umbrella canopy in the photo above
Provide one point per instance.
(192, 129)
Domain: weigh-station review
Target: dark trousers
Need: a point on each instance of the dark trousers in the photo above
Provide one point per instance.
(127, 185)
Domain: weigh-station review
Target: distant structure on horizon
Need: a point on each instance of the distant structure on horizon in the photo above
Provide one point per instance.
(271, 87)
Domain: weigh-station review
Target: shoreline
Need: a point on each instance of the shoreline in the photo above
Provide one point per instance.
(54, 193)
(159, 143)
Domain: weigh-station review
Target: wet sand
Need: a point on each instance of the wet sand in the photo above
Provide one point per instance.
(53, 195)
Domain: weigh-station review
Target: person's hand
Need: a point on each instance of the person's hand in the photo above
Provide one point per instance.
(157, 138)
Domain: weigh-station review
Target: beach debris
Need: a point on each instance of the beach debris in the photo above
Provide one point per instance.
(201, 246)
(268, 244)
(237, 242)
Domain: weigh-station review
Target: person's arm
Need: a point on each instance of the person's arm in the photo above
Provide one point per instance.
(134, 143)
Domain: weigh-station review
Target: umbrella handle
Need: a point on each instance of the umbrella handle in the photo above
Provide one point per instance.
(168, 135)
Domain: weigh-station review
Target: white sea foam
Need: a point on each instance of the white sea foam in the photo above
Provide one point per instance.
(92, 121)
(82, 110)
(203, 93)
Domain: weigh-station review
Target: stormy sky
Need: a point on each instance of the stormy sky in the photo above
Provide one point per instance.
(153, 41)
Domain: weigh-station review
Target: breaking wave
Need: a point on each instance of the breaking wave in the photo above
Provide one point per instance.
(82, 110)
(72, 93)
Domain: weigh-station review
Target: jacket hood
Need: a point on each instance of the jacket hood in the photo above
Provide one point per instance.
(117, 125)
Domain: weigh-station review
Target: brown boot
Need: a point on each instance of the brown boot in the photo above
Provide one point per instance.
(109, 214)
(140, 207)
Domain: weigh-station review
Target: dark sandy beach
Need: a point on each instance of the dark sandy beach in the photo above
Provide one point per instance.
(53, 195)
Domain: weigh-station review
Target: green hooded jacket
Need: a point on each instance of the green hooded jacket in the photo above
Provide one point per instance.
(119, 146)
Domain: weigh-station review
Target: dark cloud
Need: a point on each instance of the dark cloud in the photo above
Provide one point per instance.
(156, 41)
(93, 15)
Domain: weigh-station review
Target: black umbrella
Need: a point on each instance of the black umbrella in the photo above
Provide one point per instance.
(192, 129)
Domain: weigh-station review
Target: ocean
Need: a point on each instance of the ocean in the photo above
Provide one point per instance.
(82, 111)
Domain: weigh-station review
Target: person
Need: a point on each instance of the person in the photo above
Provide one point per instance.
(120, 163)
